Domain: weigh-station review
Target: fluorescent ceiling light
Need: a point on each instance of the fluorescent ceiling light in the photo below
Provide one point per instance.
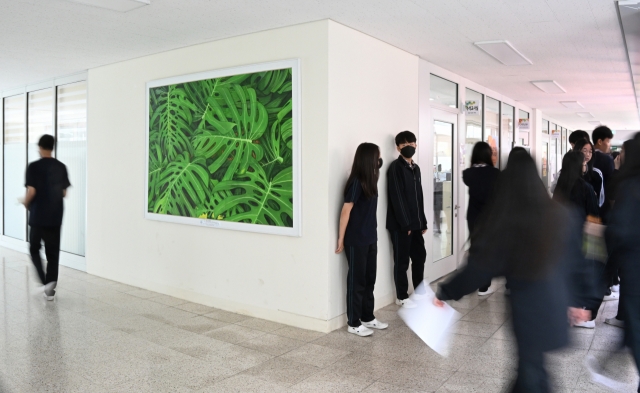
(551, 87)
(595, 122)
(572, 104)
(585, 115)
(504, 52)
(115, 5)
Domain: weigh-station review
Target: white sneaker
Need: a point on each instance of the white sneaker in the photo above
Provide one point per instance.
(586, 324)
(49, 290)
(613, 296)
(615, 288)
(375, 324)
(614, 322)
(48, 297)
(485, 293)
(361, 330)
(406, 303)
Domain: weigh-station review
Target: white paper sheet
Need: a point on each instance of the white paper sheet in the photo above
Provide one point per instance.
(432, 324)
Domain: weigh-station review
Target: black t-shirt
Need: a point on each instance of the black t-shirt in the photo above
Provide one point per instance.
(49, 177)
(362, 229)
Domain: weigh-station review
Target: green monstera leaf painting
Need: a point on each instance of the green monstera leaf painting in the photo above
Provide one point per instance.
(221, 149)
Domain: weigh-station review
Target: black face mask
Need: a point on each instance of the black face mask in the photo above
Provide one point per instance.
(379, 163)
(408, 151)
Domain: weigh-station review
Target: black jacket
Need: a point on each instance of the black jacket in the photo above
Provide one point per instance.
(604, 162)
(480, 181)
(405, 209)
(539, 307)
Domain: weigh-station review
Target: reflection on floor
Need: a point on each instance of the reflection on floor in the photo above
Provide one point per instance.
(101, 336)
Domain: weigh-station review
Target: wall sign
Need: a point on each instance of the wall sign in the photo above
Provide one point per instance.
(523, 125)
(471, 107)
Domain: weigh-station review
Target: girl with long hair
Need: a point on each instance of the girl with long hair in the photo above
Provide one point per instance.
(358, 237)
(532, 241)
(572, 189)
(480, 178)
(589, 173)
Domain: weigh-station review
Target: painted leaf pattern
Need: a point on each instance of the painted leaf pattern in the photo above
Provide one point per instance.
(221, 149)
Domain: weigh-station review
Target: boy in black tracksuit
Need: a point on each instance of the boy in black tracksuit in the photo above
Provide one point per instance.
(406, 220)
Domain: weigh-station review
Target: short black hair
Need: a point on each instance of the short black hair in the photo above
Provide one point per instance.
(482, 154)
(601, 133)
(47, 142)
(405, 137)
(577, 135)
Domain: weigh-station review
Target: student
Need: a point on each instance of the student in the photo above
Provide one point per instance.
(601, 159)
(406, 220)
(591, 174)
(480, 178)
(47, 184)
(572, 190)
(536, 245)
(358, 236)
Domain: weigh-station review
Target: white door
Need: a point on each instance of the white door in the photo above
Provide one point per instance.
(445, 225)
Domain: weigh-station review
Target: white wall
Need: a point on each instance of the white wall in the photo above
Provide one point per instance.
(279, 278)
(373, 95)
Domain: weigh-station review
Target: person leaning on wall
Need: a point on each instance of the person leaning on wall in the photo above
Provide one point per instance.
(358, 237)
(406, 220)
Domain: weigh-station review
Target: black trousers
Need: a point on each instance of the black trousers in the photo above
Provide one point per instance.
(471, 225)
(601, 285)
(361, 280)
(51, 238)
(407, 247)
(532, 376)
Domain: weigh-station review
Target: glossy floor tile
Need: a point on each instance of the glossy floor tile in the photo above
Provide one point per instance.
(107, 337)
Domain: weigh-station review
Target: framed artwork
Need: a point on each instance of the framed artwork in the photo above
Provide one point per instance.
(223, 149)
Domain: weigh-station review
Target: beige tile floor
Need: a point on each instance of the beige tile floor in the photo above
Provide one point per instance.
(102, 336)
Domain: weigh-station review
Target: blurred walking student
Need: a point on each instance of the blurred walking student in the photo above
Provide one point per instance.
(591, 174)
(578, 195)
(623, 236)
(47, 184)
(603, 161)
(480, 178)
(535, 243)
(406, 220)
(358, 237)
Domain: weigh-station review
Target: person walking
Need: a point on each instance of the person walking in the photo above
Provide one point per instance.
(358, 237)
(406, 220)
(480, 178)
(534, 243)
(47, 182)
(591, 174)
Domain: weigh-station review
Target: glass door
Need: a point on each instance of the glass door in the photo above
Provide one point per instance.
(444, 226)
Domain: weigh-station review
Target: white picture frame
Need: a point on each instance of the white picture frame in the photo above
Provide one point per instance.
(295, 230)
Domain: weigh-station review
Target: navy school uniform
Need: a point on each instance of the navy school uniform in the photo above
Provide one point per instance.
(361, 249)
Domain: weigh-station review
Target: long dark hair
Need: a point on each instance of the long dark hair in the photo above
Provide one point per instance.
(578, 147)
(520, 225)
(365, 169)
(631, 166)
(481, 154)
(569, 176)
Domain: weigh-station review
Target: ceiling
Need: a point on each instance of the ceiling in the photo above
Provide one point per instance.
(577, 43)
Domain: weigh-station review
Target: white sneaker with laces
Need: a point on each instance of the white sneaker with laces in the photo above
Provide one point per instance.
(615, 288)
(613, 296)
(375, 324)
(586, 324)
(361, 331)
(406, 303)
(614, 322)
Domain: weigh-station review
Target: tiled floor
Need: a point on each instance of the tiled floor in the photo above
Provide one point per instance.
(102, 336)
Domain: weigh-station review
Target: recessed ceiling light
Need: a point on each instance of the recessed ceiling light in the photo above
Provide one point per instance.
(551, 87)
(585, 115)
(572, 104)
(595, 122)
(504, 52)
(115, 5)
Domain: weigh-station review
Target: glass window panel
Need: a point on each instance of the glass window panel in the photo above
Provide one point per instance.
(442, 190)
(545, 126)
(40, 120)
(545, 163)
(72, 151)
(523, 135)
(506, 135)
(492, 127)
(553, 149)
(15, 161)
(473, 135)
(443, 92)
(563, 141)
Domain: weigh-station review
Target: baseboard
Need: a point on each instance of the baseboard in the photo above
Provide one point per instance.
(66, 259)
